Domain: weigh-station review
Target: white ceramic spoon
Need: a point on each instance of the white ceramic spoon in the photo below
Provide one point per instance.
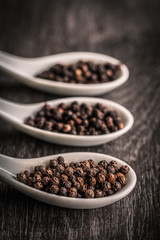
(16, 114)
(10, 166)
(25, 69)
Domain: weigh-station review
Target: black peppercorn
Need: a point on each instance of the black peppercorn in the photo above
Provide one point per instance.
(65, 165)
(77, 185)
(31, 121)
(38, 172)
(103, 171)
(92, 187)
(62, 105)
(72, 192)
(121, 178)
(75, 107)
(55, 181)
(72, 178)
(53, 171)
(22, 177)
(27, 173)
(54, 189)
(83, 188)
(46, 180)
(99, 106)
(41, 114)
(113, 163)
(38, 185)
(111, 178)
(100, 178)
(72, 164)
(116, 186)
(60, 168)
(64, 178)
(100, 168)
(86, 123)
(92, 163)
(53, 163)
(56, 174)
(80, 180)
(49, 172)
(124, 169)
(40, 168)
(85, 165)
(98, 193)
(103, 164)
(98, 114)
(48, 168)
(89, 193)
(66, 128)
(63, 191)
(78, 121)
(69, 171)
(106, 186)
(77, 164)
(119, 123)
(48, 126)
(36, 178)
(92, 172)
(110, 192)
(47, 107)
(40, 121)
(29, 181)
(58, 126)
(79, 171)
(92, 181)
(111, 169)
(109, 122)
(60, 160)
(67, 184)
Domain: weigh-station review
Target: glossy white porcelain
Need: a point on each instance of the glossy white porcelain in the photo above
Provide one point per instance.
(16, 114)
(10, 166)
(25, 69)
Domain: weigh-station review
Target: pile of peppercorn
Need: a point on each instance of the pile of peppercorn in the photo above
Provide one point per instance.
(84, 179)
(82, 72)
(77, 119)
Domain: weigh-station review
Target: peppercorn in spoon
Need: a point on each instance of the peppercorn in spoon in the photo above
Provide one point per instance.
(9, 167)
(28, 71)
(17, 115)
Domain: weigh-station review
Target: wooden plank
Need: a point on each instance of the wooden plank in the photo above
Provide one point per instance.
(126, 30)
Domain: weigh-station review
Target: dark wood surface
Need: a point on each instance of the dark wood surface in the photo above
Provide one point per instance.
(127, 30)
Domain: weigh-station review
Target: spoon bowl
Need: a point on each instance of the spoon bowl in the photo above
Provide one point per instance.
(16, 114)
(25, 70)
(9, 167)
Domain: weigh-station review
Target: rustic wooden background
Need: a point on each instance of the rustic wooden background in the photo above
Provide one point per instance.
(128, 30)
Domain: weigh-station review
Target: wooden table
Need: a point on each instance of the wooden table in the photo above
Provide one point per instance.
(127, 30)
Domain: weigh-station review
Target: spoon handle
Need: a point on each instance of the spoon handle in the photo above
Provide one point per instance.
(17, 66)
(11, 166)
(5, 172)
(10, 111)
(7, 163)
(10, 59)
(10, 107)
(10, 63)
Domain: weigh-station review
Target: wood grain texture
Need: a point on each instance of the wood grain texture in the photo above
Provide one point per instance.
(128, 30)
